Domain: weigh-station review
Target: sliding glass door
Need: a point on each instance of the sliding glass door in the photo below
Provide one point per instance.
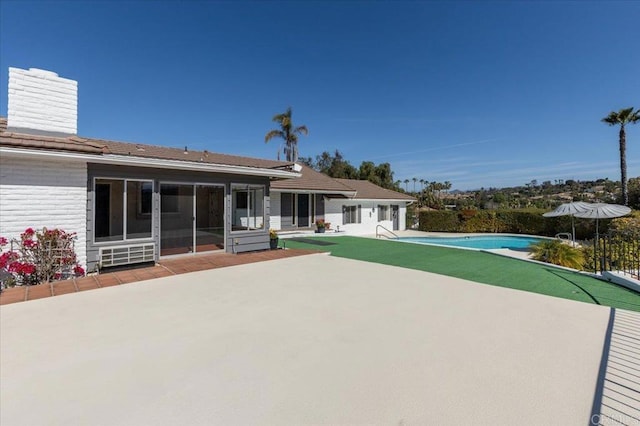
(176, 219)
(209, 218)
(191, 218)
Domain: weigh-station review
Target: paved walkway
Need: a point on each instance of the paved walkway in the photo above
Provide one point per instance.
(165, 268)
(315, 340)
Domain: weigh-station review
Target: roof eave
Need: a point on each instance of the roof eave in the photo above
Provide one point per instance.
(349, 194)
(150, 162)
(395, 200)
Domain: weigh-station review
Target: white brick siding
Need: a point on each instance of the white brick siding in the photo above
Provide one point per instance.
(36, 194)
(40, 100)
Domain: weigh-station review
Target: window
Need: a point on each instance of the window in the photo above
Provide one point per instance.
(350, 214)
(170, 198)
(383, 213)
(248, 207)
(122, 209)
(144, 201)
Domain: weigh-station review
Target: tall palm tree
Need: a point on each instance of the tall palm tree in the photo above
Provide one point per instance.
(623, 117)
(414, 184)
(406, 185)
(289, 133)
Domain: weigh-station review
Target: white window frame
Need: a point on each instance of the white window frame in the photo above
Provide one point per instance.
(248, 188)
(358, 214)
(385, 210)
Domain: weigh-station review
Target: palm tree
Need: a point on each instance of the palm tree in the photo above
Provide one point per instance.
(289, 133)
(623, 117)
(447, 186)
(414, 184)
(406, 185)
(421, 185)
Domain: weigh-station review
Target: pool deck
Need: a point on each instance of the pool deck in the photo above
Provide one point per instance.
(304, 340)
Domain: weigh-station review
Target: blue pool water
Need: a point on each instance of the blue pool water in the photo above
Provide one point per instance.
(477, 242)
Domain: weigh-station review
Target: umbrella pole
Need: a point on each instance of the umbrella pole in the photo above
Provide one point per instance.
(573, 231)
(596, 247)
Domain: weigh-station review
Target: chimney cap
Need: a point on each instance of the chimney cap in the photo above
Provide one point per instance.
(44, 73)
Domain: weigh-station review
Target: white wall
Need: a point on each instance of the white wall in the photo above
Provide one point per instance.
(38, 194)
(369, 217)
(274, 216)
(333, 215)
(40, 100)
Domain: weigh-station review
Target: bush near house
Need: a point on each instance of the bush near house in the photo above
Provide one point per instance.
(38, 256)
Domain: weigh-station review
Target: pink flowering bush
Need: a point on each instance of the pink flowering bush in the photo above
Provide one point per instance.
(39, 256)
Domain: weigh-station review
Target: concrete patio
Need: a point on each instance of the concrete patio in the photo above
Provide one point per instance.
(165, 268)
(304, 340)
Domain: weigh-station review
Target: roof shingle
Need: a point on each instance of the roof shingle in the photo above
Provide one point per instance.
(311, 180)
(366, 190)
(103, 147)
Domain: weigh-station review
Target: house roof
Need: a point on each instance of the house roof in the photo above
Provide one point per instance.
(366, 190)
(313, 181)
(57, 143)
(179, 154)
(77, 144)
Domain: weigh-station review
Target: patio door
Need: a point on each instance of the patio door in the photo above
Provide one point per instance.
(395, 216)
(191, 218)
(209, 219)
(303, 210)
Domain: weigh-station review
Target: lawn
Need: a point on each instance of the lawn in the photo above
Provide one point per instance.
(476, 266)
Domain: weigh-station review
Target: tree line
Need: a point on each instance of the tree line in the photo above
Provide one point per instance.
(335, 165)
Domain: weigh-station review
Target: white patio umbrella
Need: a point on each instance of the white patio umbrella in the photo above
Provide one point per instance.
(570, 209)
(603, 211)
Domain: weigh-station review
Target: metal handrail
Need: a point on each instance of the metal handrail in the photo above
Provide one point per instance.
(391, 232)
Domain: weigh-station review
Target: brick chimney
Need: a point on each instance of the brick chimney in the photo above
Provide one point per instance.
(42, 103)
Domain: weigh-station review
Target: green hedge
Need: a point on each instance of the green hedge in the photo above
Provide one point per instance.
(528, 221)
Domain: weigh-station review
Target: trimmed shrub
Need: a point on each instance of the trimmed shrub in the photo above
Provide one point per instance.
(558, 253)
(528, 221)
(439, 221)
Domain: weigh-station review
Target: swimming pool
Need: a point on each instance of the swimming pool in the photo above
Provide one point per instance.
(485, 242)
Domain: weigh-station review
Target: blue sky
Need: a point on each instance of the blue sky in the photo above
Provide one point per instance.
(481, 94)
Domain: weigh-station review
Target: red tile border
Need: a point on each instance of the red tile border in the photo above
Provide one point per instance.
(64, 287)
(86, 283)
(39, 291)
(13, 295)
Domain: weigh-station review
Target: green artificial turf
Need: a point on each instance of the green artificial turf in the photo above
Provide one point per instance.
(480, 267)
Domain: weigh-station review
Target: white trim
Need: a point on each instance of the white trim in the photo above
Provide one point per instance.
(389, 200)
(349, 194)
(151, 162)
(247, 187)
